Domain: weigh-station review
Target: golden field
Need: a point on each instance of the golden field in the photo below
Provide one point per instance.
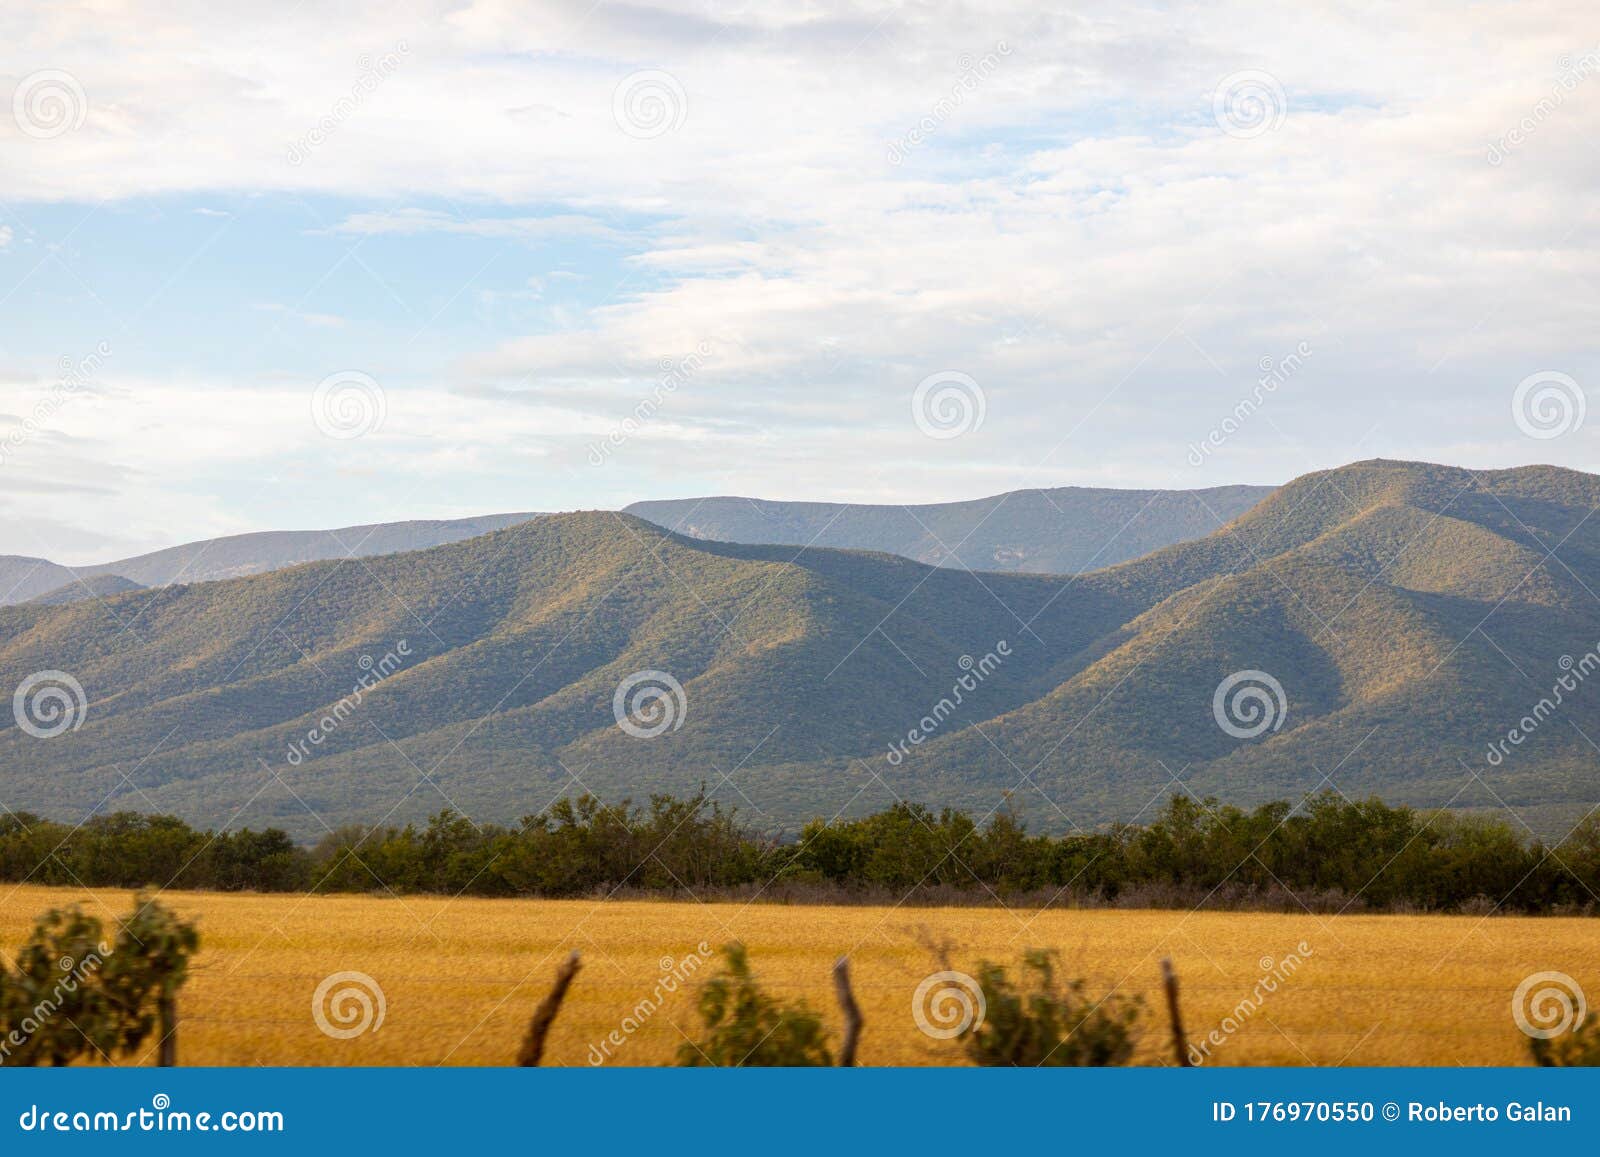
(460, 977)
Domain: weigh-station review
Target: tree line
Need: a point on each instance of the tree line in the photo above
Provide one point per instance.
(1327, 852)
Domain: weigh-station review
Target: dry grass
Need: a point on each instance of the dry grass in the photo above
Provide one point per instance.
(461, 977)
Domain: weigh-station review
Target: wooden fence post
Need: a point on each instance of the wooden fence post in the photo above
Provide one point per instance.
(545, 1014)
(167, 1025)
(851, 1010)
(1180, 1044)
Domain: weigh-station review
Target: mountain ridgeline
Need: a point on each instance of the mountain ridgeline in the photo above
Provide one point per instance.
(1063, 531)
(1383, 628)
(24, 579)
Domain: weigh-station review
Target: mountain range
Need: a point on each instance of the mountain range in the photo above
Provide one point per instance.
(24, 579)
(1062, 531)
(1375, 629)
(1058, 531)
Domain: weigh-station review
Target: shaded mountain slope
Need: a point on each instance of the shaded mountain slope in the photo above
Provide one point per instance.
(99, 586)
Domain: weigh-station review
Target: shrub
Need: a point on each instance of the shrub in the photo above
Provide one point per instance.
(745, 1026)
(75, 994)
(1579, 1048)
(50, 1009)
(1043, 1021)
(148, 965)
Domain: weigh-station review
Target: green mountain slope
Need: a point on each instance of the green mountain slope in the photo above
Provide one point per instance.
(1062, 531)
(1411, 615)
(502, 654)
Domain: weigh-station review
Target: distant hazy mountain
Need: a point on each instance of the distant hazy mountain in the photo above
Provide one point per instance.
(1394, 620)
(1061, 531)
(25, 579)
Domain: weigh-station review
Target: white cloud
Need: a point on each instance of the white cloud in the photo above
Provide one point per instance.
(135, 464)
(1075, 231)
(320, 320)
(412, 221)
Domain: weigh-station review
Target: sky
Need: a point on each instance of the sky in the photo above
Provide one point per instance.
(430, 260)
